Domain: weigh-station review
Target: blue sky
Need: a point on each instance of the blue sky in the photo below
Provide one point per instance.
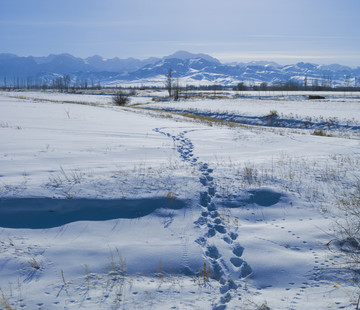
(285, 31)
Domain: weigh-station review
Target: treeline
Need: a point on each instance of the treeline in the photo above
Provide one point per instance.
(64, 83)
(292, 85)
(61, 83)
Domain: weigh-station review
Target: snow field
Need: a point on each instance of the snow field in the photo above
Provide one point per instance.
(256, 206)
(291, 111)
(304, 109)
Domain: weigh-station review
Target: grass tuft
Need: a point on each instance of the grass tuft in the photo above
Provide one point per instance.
(321, 133)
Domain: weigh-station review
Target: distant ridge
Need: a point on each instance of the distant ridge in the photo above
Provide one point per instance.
(189, 68)
(183, 55)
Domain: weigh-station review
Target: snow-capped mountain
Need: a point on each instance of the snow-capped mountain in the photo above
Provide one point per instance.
(118, 65)
(187, 67)
(184, 55)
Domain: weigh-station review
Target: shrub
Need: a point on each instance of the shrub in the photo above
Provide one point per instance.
(272, 114)
(271, 117)
(120, 99)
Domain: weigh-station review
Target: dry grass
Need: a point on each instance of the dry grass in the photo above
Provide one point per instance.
(57, 101)
(34, 263)
(5, 303)
(321, 133)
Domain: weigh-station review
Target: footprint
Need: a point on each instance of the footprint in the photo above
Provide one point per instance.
(214, 215)
(227, 240)
(236, 261)
(204, 199)
(203, 180)
(245, 270)
(211, 233)
(226, 298)
(201, 241)
(212, 252)
(217, 220)
(211, 191)
(204, 167)
(217, 271)
(234, 237)
(204, 213)
(232, 285)
(220, 228)
(201, 221)
(211, 207)
(238, 250)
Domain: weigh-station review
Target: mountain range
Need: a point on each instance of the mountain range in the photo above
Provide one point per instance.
(188, 68)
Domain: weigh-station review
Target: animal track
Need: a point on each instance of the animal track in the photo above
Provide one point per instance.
(314, 273)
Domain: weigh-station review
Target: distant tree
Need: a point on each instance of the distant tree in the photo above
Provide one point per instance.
(176, 90)
(241, 86)
(357, 82)
(67, 81)
(315, 85)
(291, 85)
(330, 82)
(169, 82)
(347, 81)
(326, 82)
(263, 86)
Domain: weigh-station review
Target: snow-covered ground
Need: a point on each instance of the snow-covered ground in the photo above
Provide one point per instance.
(292, 109)
(105, 207)
(344, 110)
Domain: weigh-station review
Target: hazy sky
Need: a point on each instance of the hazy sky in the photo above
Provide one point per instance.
(285, 31)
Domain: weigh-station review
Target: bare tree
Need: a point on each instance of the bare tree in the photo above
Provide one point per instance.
(67, 81)
(120, 99)
(176, 90)
(169, 82)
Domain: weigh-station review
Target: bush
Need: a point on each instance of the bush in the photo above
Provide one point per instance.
(272, 114)
(120, 99)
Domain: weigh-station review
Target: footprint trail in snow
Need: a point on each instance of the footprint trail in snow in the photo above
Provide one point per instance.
(219, 241)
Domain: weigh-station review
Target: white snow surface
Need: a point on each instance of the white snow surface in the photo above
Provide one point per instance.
(294, 105)
(104, 207)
